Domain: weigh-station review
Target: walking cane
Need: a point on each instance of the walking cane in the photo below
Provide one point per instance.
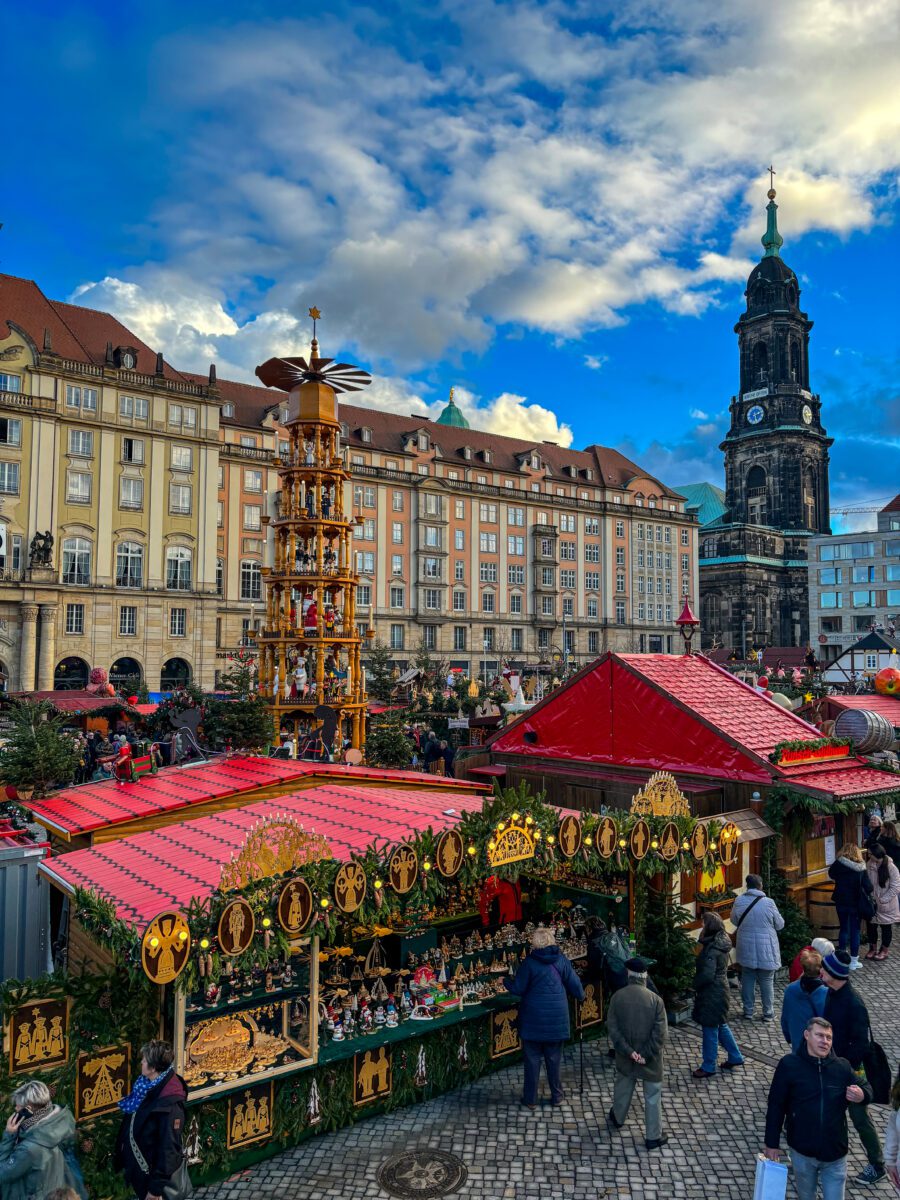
(581, 1055)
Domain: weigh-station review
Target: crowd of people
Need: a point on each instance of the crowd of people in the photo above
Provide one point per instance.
(430, 753)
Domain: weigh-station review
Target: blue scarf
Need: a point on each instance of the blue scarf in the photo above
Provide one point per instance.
(142, 1085)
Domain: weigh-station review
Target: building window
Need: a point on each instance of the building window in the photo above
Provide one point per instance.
(487, 543)
(487, 572)
(593, 642)
(131, 493)
(591, 552)
(252, 516)
(567, 578)
(459, 601)
(459, 539)
(128, 621)
(685, 537)
(592, 607)
(9, 478)
(81, 443)
(515, 575)
(592, 580)
(515, 603)
(397, 501)
(620, 583)
(74, 618)
(78, 487)
(396, 532)
(364, 599)
(642, 612)
(133, 408)
(515, 545)
(396, 564)
(567, 521)
(432, 598)
(459, 509)
(831, 600)
(133, 450)
(488, 512)
(178, 622)
(620, 529)
(422, 469)
(433, 537)
(220, 513)
(515, 516)
(251, 580)
(253, 481)
(432, 568)
(459, 637)
(396, 637)
(487, 602)
(864, 599)
(76, 561)
(567, 551)
(182, 458)
(668, 535)
(83, 398)
(179, 572)
(11, 431)
(180, 498)
(16, 555)
(488, 639)
(365, 562)
(130, 565)
(620, 612)
(10, 383)
(547, 576)
(220, 577)
(182, 416)
(433, 505)
(546, 547)
(429, 637)
(568, 606)
(620, 556)
(397, 594)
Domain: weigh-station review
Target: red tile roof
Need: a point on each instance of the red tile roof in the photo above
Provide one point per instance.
(92, 806)
(168, 867)
(893, 505)
(847, 779)
(75, 332)
(77, 700)
(888, 706)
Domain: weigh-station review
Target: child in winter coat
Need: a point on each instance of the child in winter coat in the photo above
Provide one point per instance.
(885, 880)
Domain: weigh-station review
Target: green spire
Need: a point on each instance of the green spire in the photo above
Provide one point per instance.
(772, 239)
(452, 415)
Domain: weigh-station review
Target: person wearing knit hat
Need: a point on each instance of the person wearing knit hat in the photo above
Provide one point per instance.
(873, 833)
(820, 945)
(849, 1019)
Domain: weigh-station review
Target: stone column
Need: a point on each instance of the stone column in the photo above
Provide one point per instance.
(47, 652)
(28, 646)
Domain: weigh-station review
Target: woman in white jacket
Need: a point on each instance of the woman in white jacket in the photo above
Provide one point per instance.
(886, 897)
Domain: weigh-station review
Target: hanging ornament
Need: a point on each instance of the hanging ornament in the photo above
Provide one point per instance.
(421, 1070)
(192, 1145)
(313, 1105)
(462, 1053)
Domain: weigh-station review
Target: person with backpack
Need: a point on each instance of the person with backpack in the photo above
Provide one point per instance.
(852, 897)
(885, 880)
(757, 921)
(892, 1137)
(543, 982)
(37, 1150)
(803, 999)
(851, 1029)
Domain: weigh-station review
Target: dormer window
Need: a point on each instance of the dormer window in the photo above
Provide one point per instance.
(487, 455)
(365, 433)
(422, 441)
(228, 409)
(125, 357)
(571, 472)
(345, 429)
(467, 453)
(536, 462)
(589, 473)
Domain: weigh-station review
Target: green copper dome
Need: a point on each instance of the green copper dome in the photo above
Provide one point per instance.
(452, 415)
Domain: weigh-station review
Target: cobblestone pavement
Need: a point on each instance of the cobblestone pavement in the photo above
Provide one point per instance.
(715, 1129)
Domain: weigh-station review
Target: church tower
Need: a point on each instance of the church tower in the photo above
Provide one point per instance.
(753, 572)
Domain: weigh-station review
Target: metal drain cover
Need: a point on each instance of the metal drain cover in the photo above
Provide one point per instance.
(422, 1174)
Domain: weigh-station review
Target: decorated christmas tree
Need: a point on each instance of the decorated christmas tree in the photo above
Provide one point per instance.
(39, 753)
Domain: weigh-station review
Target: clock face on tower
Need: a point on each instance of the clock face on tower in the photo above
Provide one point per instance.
(806, 414)
(755, 414)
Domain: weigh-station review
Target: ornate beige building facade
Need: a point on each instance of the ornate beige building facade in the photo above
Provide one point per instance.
(154, 485)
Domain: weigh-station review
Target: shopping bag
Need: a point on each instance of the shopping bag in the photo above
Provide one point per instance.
(771, 1179)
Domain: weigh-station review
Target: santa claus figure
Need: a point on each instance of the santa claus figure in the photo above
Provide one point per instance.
(310, 616)
(123, 767)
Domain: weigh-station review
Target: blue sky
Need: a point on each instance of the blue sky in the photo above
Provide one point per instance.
(551, 206)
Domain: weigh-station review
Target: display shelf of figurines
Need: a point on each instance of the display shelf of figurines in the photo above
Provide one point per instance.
(247, 1026)
(392, 993)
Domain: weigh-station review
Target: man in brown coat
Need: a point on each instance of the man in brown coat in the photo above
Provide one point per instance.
(637, 1028)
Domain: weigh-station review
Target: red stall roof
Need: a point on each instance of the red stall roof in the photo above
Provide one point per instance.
(77, 700)
(887, 706)
(168, 867)
(92, 806)
(679, 713)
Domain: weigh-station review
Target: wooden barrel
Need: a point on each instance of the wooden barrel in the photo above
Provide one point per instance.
(870, 731)
(821, 912)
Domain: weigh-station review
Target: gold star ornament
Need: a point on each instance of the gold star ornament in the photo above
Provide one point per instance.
(315, 313)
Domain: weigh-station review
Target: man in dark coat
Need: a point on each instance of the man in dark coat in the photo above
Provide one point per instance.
(149, 1147)
(812, 1090)
(637, 1028)
(849, 1019)
(544, 981)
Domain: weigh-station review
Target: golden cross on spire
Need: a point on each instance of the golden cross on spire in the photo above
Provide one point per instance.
(772, 174)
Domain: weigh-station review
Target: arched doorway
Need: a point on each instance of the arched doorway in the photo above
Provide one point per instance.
(176, 673)
(4, 677)
(125, 670)
(71, 673)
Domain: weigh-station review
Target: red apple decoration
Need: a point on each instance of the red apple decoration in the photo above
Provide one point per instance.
(887, 682)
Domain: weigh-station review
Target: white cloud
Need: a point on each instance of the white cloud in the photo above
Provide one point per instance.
(697, 414)
(595, 362)
(550, 167)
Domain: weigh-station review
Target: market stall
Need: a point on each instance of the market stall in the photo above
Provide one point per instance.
(332, 956)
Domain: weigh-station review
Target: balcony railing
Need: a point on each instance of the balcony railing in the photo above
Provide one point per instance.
(23, 400)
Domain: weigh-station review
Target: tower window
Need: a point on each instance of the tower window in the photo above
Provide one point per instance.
(760, 363)
(756, 496)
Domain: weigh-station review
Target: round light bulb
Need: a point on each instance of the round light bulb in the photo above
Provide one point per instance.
(622, 843)
(183, 935)
(529, 820)
(537, 835)
(685, 845)
(426, 866)
(654, 845)
(500, 827)
(204, 943)
(550, 838)
(472, 850)
(267, 921)
(589, 841)
(324, 902)
(154, 942)
(378, 885)
(492, 845)
(515, 816)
